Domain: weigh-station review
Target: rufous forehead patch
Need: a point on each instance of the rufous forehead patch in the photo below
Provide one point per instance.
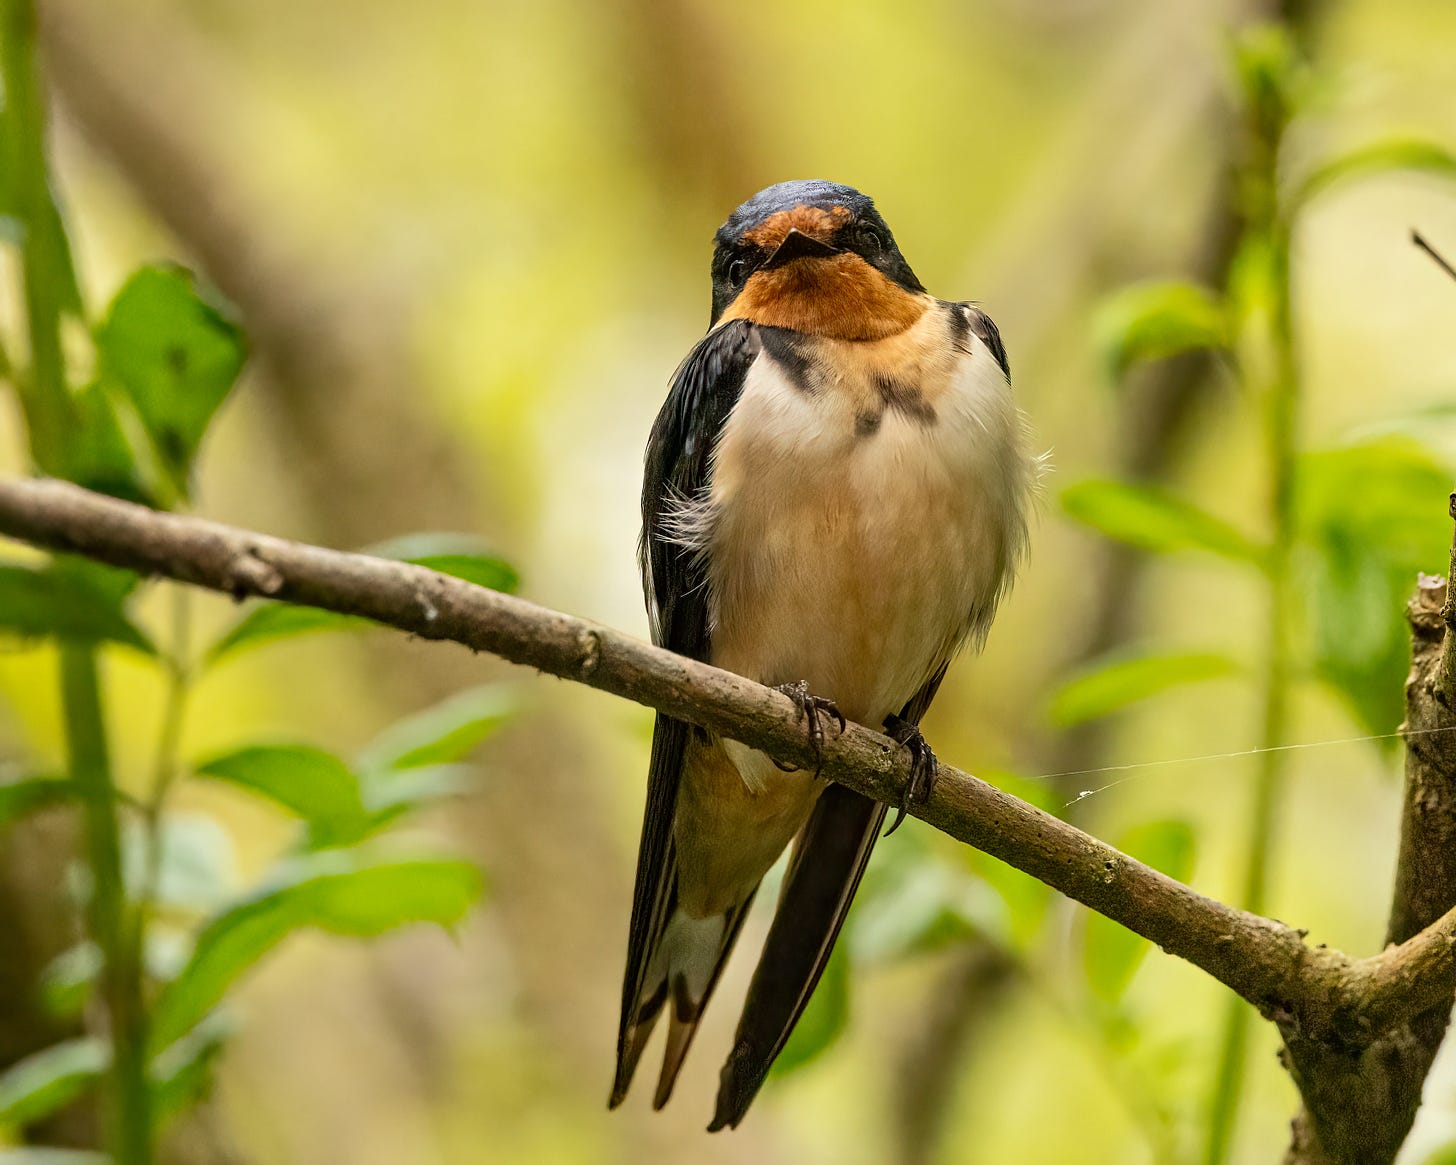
(814, 221)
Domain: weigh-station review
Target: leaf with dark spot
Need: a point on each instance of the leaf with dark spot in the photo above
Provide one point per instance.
(175, 356)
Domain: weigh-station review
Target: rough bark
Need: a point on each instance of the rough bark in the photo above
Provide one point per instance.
(1360, 1099)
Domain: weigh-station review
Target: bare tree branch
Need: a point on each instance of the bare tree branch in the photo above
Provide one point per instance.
(1360, 1101)
(1321, 1000)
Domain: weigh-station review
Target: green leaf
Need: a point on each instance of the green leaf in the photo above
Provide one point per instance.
(1370, 516)
(446, 553)
(182, 1074)
(26, 795)
(1027, 900)
(1445, 1155)
(175, 356)
(463, 556)
(66, 981)
(309, 782)
(99, 456)
(926, 908)
(279, 621)
(1273, 77)
(1111, 953)
(64, 602)
(46, 1081)
(824, 1019)
(394, 792)
(443, 734)
(1155, 520)
(331, 892)
(1155, 320)
(1384, 157)
(1115, 681)
(480, 569)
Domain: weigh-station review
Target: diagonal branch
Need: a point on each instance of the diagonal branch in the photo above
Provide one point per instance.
(1329, 995)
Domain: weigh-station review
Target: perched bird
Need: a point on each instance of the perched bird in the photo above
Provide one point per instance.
(834, 502)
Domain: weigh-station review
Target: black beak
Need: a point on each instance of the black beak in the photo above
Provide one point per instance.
(798, 245)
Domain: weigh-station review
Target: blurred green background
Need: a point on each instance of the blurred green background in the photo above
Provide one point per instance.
(469, 243)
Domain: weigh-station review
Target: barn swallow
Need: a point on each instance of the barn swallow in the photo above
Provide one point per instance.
(834, 502)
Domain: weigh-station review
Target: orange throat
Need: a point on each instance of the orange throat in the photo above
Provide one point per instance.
(841, 297)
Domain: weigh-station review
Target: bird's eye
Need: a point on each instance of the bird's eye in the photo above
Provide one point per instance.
(737, 271)
(871, 242)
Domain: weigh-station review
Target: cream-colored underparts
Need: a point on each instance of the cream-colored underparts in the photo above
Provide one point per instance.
(855, 557)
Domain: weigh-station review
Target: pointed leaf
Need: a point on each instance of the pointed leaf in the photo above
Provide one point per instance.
(463, 556)
(270, 621)
(1112, 953)
(100, 457)
(926, 908)
(330, 892)
(390, 795)
(64, 603)
(1392, 155)
(481, 569)
(174, 355)
(443, 734)
(66, 981)
(1155, 320)
(46, 1081)
(1154, 520)
(182, 1074)
(1370, 516)
(309, 782)
(1113, 682)
(26, 795)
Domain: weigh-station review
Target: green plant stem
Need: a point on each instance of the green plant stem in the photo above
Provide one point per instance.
(1281, 430)
(47, 401)
(46, 398)
(174, 714)
(113, 925)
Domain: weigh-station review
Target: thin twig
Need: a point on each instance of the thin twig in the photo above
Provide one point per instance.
(1440, 259)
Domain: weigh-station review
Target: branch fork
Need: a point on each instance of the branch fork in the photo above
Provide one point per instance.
(1353, 1028)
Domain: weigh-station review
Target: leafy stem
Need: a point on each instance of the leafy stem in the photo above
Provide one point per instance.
(178, 666)
(1268, 232)
(47, 290)
(47, 402)
(114, 925)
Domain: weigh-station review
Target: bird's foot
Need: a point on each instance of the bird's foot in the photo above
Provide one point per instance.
(924, 767)
(815, 710)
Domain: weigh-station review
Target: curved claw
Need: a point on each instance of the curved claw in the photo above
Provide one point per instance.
(811, 708)
(924, 767)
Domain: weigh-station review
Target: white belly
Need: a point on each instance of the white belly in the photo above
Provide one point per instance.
(859, 560)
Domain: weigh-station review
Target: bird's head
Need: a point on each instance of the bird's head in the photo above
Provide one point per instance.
(817, 257)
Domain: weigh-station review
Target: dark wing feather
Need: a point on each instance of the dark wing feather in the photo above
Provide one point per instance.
(824, 873)
(704, 390)
(989, 334)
